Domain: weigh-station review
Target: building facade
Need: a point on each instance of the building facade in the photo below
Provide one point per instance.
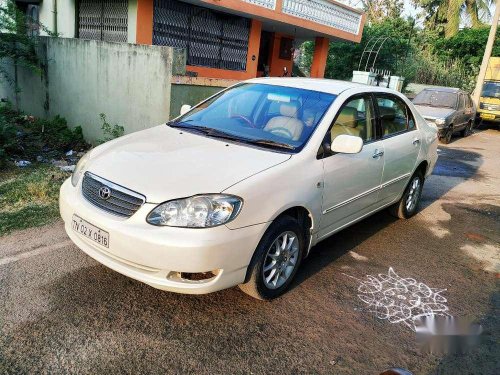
(227, 39)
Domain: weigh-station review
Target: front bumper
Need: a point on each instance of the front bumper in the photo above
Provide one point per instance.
(158, 255)
(489, 116)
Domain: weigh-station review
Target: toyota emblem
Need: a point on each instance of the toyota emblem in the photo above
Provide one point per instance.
(104, 192)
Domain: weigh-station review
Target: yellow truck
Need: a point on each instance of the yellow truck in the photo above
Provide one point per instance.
(489, 103)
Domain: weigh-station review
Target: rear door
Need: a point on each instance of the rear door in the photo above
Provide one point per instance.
(401, 141)
(460, 117)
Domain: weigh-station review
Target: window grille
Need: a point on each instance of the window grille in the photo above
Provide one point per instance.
(211, 39)
(103, 20)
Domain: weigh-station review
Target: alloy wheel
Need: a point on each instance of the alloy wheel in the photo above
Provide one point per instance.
(413, 195)
(281, 259)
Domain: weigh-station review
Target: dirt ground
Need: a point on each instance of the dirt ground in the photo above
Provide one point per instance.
(62, 312)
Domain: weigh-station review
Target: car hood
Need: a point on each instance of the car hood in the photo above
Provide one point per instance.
(432, 113)
(163, 163)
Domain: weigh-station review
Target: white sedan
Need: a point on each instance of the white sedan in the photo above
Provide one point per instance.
(237, 190)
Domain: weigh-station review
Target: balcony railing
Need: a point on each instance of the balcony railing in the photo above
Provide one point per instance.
(269, 4)
(323, 12)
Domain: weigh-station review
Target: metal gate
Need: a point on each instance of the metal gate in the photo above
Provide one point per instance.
(103, 20)
(211, 38)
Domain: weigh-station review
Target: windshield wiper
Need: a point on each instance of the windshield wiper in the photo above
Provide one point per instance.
(268, 142)
(211, 132)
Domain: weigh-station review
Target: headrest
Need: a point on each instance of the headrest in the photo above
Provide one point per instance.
(387, 113)
(289, 109)
(347, 117)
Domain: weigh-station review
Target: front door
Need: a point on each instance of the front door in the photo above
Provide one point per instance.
(351, 181)
(402, 141)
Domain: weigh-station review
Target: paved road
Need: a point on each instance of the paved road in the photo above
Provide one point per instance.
(62, 312)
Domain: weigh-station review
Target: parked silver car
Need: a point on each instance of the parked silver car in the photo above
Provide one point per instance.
(450, 109)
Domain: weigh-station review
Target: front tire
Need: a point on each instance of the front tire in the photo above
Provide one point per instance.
(467, 130)
(276, 260)
(407, 206)
(446, 138)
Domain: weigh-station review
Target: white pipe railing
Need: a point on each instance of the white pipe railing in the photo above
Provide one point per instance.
(269, 4)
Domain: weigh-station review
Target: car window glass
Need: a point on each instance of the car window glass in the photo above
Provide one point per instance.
(392, 114)
(461, 104)
(411, 119)
(355, 118)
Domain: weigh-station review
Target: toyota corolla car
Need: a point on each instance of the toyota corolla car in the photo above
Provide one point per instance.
(237, 189)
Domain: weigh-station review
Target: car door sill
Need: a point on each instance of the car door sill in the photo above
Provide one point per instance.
(355, 220)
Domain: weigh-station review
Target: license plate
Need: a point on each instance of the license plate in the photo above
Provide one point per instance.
(90, 231)
(487, 116)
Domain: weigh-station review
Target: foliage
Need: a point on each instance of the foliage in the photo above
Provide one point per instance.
(26, 137)
(29, 196)
(379, 10)
(467, 45)
(444, 16)
(421, 56)
(110, 131)
(16, 43)
(344, 57)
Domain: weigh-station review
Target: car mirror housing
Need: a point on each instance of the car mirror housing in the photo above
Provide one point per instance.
(185, 109)
(347, 144)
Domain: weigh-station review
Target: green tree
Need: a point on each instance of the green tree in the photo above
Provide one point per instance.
(444, 16)
(379, 10)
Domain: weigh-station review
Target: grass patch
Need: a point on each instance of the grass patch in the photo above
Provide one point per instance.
(29, 196)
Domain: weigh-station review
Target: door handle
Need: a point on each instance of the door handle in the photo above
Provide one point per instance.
(377, 154)
(416, 141)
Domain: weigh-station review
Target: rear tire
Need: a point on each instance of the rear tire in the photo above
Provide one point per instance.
(407, 206)
(272, 262)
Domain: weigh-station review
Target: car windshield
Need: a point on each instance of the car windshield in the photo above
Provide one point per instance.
(491, 90)
(269, 116)
(434, 98)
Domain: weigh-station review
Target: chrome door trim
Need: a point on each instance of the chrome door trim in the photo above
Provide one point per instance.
(350, 200)
(364, 194)
(394, 180)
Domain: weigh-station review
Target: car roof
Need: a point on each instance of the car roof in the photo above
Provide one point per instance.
(330, 86)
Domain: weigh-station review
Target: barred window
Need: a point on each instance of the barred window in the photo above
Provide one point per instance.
(211, 39)
(103, 20)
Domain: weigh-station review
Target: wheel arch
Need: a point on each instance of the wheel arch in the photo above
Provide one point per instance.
(306, 221)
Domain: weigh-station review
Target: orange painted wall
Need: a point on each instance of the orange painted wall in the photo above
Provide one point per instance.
(251, 71)
(320, 55)
(275, 63)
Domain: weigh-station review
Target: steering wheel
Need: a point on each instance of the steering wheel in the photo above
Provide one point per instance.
(245, 119)
(282, 132)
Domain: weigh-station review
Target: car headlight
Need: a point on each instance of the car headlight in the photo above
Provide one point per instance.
(440, 121)
(79, 169)
(199, 211)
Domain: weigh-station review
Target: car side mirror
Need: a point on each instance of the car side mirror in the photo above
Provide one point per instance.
(347, 144)
(185, 109)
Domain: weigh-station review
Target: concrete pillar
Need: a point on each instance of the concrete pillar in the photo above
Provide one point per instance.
(144, 33)
(319, 58)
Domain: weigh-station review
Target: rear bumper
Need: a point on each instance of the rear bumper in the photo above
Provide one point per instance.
(158, 255)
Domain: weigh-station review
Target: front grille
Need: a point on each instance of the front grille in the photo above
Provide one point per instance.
(121, 202)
